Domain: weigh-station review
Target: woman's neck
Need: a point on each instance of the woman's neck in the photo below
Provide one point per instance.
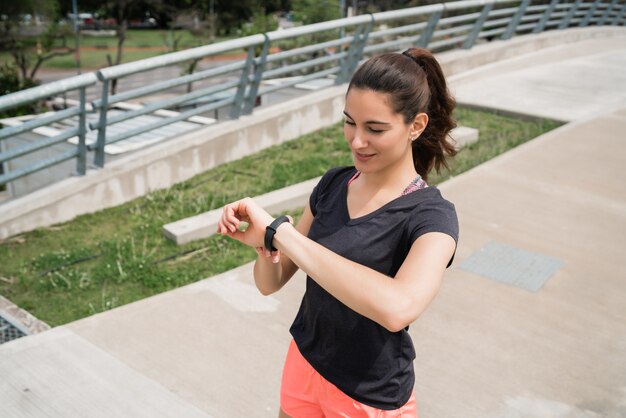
(391, 179)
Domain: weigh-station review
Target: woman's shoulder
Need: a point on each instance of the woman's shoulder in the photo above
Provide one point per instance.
(434, 196)
(336, 175)
(329, 185)
(432, 200)
(433, 212)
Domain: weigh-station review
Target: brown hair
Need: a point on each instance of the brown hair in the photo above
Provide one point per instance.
(415, 83)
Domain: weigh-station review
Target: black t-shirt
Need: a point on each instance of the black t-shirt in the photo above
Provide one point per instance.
(362, 358)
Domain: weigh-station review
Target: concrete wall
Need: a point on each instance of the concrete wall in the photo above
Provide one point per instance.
(181, 158)
(171, 162)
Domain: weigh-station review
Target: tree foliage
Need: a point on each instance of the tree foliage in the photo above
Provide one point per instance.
(31, 34)
(10, 82)
(314, 11)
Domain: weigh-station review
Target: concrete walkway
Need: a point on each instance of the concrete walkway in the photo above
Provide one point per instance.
(484, 348)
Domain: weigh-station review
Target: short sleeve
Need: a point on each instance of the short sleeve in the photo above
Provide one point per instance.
(322, 186)
(434, 215)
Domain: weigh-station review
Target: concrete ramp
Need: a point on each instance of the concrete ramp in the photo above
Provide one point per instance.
(60, 374)
(565, 83)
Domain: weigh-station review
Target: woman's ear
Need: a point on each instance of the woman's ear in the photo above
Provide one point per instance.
(419, 124)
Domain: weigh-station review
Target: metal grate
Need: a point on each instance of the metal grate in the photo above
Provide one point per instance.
(9, 329)
(513, 266)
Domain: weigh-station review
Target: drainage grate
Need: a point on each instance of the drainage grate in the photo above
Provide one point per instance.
(510, 265)
(10, 329)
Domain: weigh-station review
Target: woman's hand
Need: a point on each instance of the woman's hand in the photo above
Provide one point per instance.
(247, 210)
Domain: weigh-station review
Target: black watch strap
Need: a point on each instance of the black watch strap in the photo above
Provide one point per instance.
(271, 230)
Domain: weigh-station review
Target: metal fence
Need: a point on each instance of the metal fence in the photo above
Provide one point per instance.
(11, 329)
(277, 61)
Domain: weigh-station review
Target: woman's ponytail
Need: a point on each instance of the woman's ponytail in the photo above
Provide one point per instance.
(415, 82)
(433, 145)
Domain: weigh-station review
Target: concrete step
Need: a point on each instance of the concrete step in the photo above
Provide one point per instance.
(293, 197)
(464, 136)
(204, 225)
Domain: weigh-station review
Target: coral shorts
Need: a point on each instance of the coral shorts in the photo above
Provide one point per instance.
(306, 394)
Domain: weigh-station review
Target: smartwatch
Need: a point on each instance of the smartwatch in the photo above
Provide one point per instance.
(271, 230)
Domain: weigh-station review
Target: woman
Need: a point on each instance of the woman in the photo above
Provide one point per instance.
(374, 240)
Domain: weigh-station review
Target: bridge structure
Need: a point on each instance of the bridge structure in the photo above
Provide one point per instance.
(87, 154)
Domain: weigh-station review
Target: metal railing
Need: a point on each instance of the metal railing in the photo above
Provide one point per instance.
(280, 60)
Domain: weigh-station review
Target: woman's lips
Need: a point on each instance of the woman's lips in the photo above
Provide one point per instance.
(362, 157)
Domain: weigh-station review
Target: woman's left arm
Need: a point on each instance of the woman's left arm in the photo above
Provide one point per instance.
(392, 303)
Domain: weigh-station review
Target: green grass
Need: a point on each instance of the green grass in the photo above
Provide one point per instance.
(99, 261)
(139, 44)
(141, 39)
(98, 59)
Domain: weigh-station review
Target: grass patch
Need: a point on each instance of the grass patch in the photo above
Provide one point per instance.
(142, 38)
(97, 59)
(139, 44)
(103, 260)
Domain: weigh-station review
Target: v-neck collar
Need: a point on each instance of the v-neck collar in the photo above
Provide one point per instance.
(363, 218)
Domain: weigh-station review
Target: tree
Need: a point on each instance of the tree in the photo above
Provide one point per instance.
(314, 11)
(231, 15)
(11, 82)
(260, 22)
(31, 33)
(122, 11)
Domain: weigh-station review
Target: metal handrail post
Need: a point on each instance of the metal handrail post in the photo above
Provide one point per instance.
(607, 13)
(355, 53)
(589, 15)
(510, 29)
(430, 29)
(473, 35)
(344, 64)
(235, 110)
(102, 126)
(259, 67)
(546, 17)
(570, 14)
(81, 158)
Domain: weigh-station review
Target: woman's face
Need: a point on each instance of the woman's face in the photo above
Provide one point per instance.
(378, 137)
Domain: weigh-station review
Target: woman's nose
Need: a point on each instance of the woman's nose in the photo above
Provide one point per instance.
(358, 141)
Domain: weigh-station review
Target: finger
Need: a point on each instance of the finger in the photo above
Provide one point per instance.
(223, 227)
(275, 256)
(224, 222)
(231, 218)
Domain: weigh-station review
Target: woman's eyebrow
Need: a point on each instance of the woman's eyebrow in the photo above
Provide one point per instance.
(377, 122)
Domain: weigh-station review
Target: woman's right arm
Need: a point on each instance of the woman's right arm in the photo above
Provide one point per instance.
(270, 277)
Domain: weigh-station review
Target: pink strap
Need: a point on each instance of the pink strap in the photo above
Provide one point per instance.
(357, 174)
(420, 184)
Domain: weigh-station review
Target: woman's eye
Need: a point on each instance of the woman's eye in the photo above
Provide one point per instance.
(347, 122)
(375, 131)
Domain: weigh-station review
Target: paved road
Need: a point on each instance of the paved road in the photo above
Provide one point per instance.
(555, 206)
